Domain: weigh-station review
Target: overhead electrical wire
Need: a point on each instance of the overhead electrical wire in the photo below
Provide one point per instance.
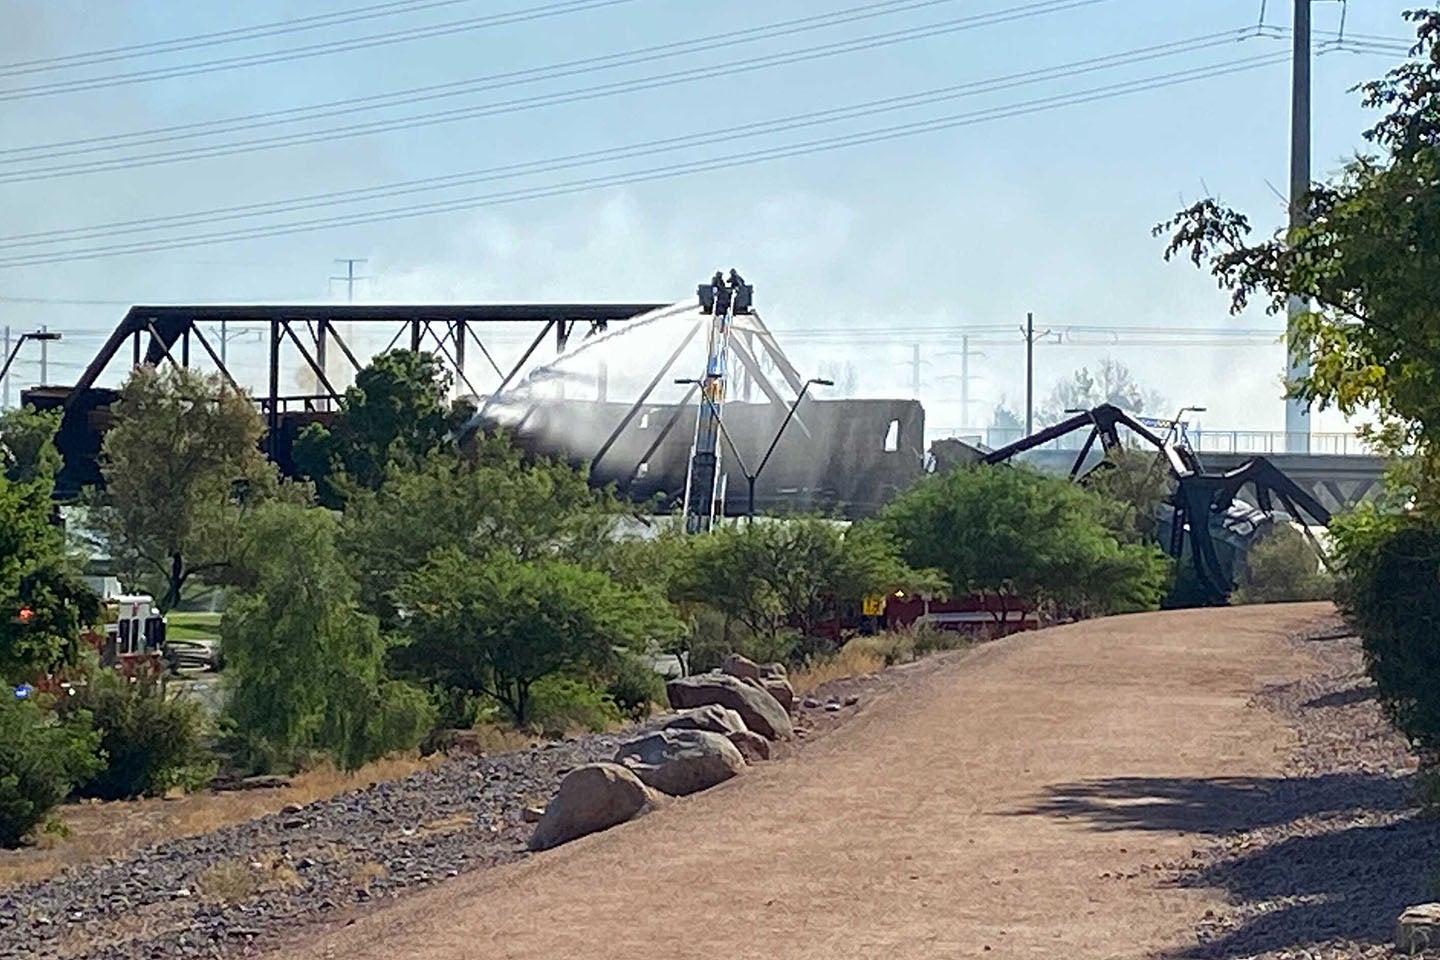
(728, 40)
(668, 171)
(312, 50)
(257, 31)
(510, 171)
(536, 101)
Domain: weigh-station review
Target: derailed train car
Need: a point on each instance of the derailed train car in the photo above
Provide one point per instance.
(847, 457)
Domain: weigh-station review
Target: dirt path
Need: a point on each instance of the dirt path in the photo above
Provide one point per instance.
(934, 825)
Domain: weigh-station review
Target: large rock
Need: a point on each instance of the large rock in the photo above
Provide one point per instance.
(780, 689)
(681, 762)
(761, 712)
(753, 747)
(768, 670)
(591, 798)
(741, 667)
(711, 717)
(1418, 929)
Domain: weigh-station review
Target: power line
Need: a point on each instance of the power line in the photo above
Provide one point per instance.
(509, 171)
(553, 99)
(234, 35)
(668, 171)
(311, 50)
(347, 105)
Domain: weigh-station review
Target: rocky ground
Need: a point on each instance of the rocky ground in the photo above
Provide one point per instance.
(235, 891)
(1317, 864)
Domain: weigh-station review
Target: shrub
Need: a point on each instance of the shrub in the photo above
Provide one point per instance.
(1391, 593)
(561, 704)
(890, 647)
(634, 686)
(1010, 531)
(927, 638)
(41, 759)
(149, 741)
(713, 636)
(1282, 566)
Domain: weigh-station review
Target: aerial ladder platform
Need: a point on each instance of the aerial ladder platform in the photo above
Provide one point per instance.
(722, 300)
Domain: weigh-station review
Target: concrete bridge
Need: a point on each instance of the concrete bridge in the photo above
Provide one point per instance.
(1337, 480)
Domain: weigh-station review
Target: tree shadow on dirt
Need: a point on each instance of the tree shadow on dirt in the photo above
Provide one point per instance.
(1360, 693)
(1217, 805)
(1323, 858)
(1348, 884)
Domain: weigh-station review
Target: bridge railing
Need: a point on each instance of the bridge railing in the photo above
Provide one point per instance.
(1259, 442)
(1278, 441)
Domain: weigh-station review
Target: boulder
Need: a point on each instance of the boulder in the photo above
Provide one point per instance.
(753, 747)
(1418, 929)
(771, 670)
(761, 712)
(711, 717)
(780, 689)
(681, 762)
(591, 798)
(741, 667)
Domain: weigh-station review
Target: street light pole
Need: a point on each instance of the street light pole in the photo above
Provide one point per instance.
(43, 336)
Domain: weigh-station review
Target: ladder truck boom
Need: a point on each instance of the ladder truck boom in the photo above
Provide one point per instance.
(722, 301)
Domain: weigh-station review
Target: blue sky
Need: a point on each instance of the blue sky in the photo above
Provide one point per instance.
(869, 249)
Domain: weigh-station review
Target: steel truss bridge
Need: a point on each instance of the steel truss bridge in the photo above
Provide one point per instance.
(846, 455)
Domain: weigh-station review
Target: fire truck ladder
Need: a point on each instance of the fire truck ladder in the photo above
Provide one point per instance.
(703, 495)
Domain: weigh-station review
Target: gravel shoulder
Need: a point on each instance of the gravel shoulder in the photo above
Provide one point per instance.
(1319, 862)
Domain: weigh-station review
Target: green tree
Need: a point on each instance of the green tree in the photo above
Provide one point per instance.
(494, 627)
(397, 413)
(1366, 257)
(43, 605)
(41, 760)
(27, 444)
(774, 575)
(1281, 567)
(490, 502)
(1133, 486)
(182, 467)
(304, 664)
(1013, 533)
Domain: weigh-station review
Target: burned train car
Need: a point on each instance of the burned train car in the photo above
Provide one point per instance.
(845, 457)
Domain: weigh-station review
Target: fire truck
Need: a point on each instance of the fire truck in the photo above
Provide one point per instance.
(133, 635)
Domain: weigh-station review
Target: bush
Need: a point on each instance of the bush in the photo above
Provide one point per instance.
(927, 638)
(149, 741)
(890, 647)
(634, 686)
(561, 704)
(41, 760)
(1013, 532)
(713, 636)
(1282, 566)
(1391, 594)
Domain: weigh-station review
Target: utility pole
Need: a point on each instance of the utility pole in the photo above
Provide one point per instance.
(915, 370)
(44, 356)
(1297, 415)
(964, 380)
(1029, 331)
(349, 277)
(322, 333)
